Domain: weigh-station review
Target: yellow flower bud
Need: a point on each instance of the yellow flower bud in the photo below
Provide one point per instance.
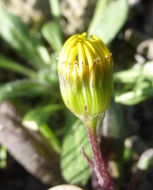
(85, 71)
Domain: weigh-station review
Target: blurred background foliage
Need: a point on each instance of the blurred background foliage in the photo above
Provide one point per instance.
(36, 129)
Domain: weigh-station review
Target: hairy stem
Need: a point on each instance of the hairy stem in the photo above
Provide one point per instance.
(98, 163)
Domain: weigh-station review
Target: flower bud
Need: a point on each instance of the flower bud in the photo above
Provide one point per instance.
(85, 71)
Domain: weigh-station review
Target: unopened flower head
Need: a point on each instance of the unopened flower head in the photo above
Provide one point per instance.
(85, 71)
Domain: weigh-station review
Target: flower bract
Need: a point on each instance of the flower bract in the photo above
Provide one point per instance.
(85, 71)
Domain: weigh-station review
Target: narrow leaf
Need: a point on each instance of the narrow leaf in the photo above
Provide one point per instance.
(52, 33)
(16, 34)
(36, 120)
(41, 114)
(46, 131)
(55, 8)
(107, 22)
(9, 64)
(134, 96)
(133, 74)
(19, 88)
(139, 83)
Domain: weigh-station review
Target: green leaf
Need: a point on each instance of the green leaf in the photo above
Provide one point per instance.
(74, 167)
(51, 138)
(107, 22)
(127, 76)
(36, 120)
(9, 64)
(133, 74)
(55, 8)
(137, 84)
(50, 75)
(100, 9)
(40, 115)
(27, 87)
(16, 34)
(52, 33)
(138, 94)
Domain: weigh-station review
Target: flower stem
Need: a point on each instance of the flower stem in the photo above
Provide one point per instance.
(98, 163)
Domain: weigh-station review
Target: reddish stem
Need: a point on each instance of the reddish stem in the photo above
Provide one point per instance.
(99, 165)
